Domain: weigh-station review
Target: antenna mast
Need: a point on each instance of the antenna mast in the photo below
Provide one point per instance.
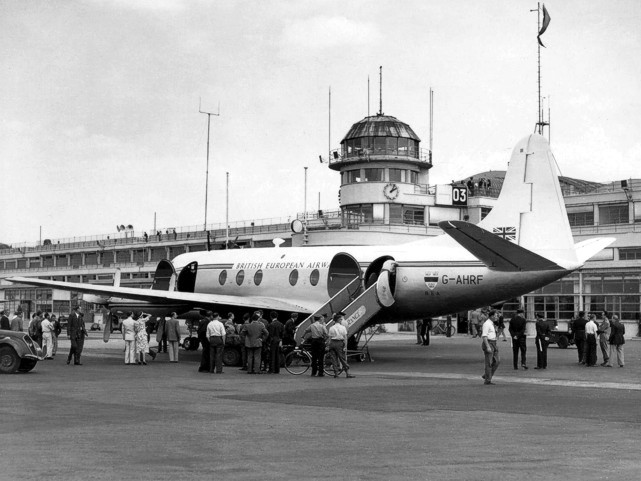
(380, 93)
(209, 114)
(431, 120)
(541, 28)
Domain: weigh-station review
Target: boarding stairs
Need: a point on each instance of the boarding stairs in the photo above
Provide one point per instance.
(359, 307)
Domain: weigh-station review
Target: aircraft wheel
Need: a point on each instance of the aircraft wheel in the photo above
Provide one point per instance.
(187, 343)
(231, 356)
(9, 360)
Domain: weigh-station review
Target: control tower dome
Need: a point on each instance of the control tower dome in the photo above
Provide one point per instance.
(382, 169)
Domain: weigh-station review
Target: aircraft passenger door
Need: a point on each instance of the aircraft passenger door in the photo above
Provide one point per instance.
(187, 278)
(163, 277)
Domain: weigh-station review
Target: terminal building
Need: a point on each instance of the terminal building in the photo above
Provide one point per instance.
(386, 197)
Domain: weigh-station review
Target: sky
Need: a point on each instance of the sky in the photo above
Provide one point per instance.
(100, 100)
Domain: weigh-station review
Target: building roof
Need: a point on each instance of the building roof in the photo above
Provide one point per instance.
(380, 126)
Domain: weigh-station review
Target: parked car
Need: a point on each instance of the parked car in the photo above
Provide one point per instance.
(18, 352)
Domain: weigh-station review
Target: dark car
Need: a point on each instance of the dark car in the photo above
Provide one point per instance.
(18, 352)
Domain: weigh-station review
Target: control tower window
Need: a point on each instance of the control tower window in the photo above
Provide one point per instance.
(358, 214)
(397, 175)
(379, 145)
(413, 177)
(392, 146)
(403, 146)
(374, 175)
(413, 148)
(406, 214)
(353, 176)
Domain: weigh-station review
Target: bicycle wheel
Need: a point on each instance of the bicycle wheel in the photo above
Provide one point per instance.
(328, 367)
(297, 362)
(451, 331)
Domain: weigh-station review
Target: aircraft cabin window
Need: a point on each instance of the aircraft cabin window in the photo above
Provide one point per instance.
(293, 277)
(258, 277)
(222, 278)
(240, 277)
(314, 277)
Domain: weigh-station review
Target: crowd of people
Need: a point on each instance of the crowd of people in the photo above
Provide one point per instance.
(263, 342)
(606, 333)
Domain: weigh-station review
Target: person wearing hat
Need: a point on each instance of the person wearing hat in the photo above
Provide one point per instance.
(319, 336)
(76, 332)
(542, 341)
(519, 338)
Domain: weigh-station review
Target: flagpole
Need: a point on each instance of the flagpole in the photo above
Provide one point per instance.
(538, 29)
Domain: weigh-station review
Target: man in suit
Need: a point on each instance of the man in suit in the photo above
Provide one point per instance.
(255, 334)
(519, 338)
(129, 335)
(172, 330)
(76, 332)
(617, 340)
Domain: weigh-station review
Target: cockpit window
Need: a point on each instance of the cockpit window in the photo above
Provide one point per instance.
(293, 277)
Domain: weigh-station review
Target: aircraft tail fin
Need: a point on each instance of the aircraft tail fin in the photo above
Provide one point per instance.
(530, 210)
(495, 252)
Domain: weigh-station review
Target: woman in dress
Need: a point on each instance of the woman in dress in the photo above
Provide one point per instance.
(142, 346)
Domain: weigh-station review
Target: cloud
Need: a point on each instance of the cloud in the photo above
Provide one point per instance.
(324, 32)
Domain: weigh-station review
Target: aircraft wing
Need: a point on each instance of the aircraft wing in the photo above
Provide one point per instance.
(495, 252)
(171, 297)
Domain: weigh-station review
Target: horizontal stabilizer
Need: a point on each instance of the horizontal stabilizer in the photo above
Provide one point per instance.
(169, 297)
(588, 248)
(495, 252)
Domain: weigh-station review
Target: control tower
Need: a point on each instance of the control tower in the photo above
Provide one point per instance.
(384, 174)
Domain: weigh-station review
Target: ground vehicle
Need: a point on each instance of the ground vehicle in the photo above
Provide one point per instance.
(299, 360)
(562, 338)
(18, 352)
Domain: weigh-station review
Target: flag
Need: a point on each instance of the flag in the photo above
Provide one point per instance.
(546, 22)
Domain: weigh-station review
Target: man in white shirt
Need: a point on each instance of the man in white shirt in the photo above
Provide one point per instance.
(338, 345)
(47, 337)
(590, 339)
(488, 334)
(216, 335)
(128, 329)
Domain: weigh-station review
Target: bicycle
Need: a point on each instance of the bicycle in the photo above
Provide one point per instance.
(441, 327)
(299, 360)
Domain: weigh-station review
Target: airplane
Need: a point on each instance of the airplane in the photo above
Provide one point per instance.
(524, 243)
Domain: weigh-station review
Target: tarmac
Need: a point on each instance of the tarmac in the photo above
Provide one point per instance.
(415, 412)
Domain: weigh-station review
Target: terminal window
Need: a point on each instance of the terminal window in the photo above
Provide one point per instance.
(614, 214)
(630, 254)
(581, 218)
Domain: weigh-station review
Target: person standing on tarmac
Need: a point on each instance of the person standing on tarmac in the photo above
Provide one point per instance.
(604, 334)
(590, 340)
(542, 341)
(338, 345)
(578, 326)
(519, 338)
(204, 341)
(216, 333)
(491, 350)
(319, 336)
(255, 334)
(276, 331)
(76, 332)
(290, 330)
